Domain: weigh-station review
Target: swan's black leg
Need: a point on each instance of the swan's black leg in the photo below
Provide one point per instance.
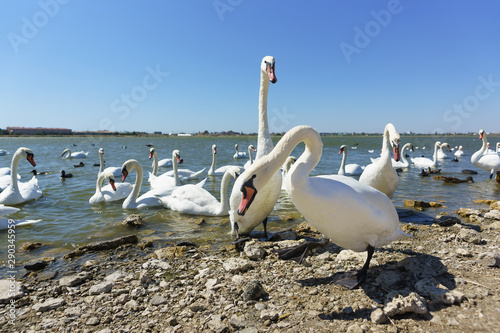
(353, 280)
(491, 175)
(265, 227)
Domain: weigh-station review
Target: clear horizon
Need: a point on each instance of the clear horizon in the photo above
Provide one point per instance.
(193, 66)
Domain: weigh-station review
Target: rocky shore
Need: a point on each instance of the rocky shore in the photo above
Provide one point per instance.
(444, 279)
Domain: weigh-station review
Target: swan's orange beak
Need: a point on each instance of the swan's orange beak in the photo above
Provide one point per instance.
(249, 192)
(395, 151)
(124, 173)
(151, 155)
(341, 150)
(112, 183)
(271, 73)
(253, 149)
(480, 135)
(179, 159)
(31, 159)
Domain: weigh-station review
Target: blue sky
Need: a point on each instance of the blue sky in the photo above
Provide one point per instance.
(171, 66)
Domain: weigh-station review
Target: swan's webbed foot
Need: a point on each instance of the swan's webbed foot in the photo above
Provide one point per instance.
(299, 252)
(353, 280)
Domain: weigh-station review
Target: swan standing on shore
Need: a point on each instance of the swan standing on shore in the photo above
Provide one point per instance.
(18, 192)
(488, 162)
(353, 215)
(112, 192)
(115, 171)
(148, 199)
(381, 175)
(270, 193)
(78, 154)
(195, 200)
(352, 169)
(427, 162)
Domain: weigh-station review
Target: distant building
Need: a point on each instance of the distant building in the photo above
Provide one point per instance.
(38, 130)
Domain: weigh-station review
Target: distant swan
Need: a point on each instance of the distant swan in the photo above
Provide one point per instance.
(112, 192)
(404, 162)
(250, 157)
(460, 152)
(427, 162)
(353, 215)
(195, 200)
(115, 171)
(166, 162)
(79, 154)
(239, 154)
(441, 154)
(488, 162)
(381, 175)
(349, 169)
(219, 171)
(17, 192)
(184, 174)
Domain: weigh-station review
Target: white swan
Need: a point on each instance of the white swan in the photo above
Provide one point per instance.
(239, 154)
(219, 171)
(270, 193)
(381, 175)
(5, 181)
(488, 162)
(115, 171)
(112, 192)
(183, 174)
(441, 154)
(195, 200)
(78, 154)
(403, 163)
(250, 156)
(353, 215)
(427, 162)
(166, 162)
(349, 169)
(148, 199)
(17, 192)
(460, 152)
(167, 181)
(5, 223)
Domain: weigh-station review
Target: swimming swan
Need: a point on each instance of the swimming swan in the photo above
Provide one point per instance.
(427, 162)
(488, 162)
(112, 192)
(352, 214)
(148, 199)
(219, 171)
(349, 169)
(115, 171)
(78, 154)
(18, 192)
(5, 223)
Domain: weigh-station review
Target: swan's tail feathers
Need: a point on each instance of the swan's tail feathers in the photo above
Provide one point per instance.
(151, 177)
(402, 235)
(26, 222)
(202, 183)
(196, 174)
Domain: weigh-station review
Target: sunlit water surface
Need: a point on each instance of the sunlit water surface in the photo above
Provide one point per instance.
(69, 221)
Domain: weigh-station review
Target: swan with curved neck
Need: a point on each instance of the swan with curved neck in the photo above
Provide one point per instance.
(353, 215)
(404, 162)
(381, 175)
(427, 162)
(148, 199)
(168, 179)
(112, 192)
(441, 154)
(349, 169)
(488, 162)
(115, 171)
(270, 193)
(250, 156)
(78, 154)
(16, 192)
(182, 174)
(219, 171)
(195, 200)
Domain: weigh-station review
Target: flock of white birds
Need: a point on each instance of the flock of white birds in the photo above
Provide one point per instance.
(354, 214)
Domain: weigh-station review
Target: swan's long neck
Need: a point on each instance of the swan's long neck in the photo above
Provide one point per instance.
(101, 163)
(138, 181)
(264, 142)
(386, 146)
(434, 158)
(304, 164)
(403, 157)
(13, 170)
(224, 203)
(69, 153)
(176, 171)
(214, 161)
(484, 147)
(342, 164)
(98, 184)
(155, 163)
(250, 155)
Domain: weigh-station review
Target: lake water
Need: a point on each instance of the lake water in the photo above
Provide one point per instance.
(69, 221)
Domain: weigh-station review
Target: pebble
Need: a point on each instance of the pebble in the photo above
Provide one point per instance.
(10, 289)
(101, 288)
(74, 280)
(49, 304)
